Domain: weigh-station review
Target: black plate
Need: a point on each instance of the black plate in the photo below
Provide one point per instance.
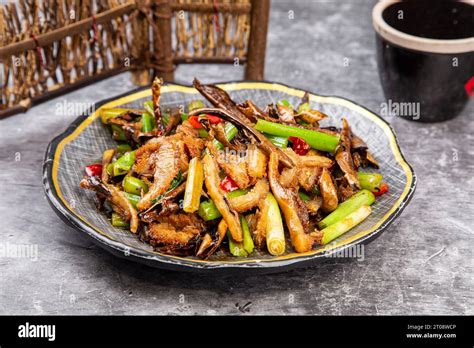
(86, 138)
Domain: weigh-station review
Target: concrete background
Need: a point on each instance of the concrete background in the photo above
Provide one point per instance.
(423, 264)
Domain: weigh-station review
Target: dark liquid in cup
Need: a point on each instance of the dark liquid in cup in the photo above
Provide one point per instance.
(432, 19)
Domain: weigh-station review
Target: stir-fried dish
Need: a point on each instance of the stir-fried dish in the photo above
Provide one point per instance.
(222, 177)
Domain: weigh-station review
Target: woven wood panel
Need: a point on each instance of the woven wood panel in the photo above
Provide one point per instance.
(49, 47)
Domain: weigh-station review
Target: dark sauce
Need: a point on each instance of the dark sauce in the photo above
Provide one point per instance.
(432, 19)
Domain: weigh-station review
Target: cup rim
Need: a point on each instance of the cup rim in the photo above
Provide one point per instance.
(413, 42)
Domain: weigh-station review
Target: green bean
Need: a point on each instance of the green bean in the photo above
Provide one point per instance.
(148, 122)
(123, 164)
(165, 119)
(148, 105)
(363, 197)
(133, 199)
(236, 193)
(317, 140)
(208, 211)
(303, 107)
(122, 148)
(118, 221)
(202, 133)
(370, 181)
(230, 132)
(281, 142)
(195, 104)
(284, 102)
(302, 122)
(134, 185)
(235, 248)
(107, 114)
(337, 229)
(248, 241)
(304, 196)
(110, 169)
(118, 132)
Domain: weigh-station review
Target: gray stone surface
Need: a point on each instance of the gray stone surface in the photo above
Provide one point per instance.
(423, 264)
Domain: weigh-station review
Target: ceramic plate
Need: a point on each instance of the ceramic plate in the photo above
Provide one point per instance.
(86, 138)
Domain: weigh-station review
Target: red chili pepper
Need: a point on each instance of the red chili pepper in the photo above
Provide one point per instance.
(194, 121)
(300, 146)
(213, 119)
(228, 185)
(383, 189)
(469, 86)
(94, 170)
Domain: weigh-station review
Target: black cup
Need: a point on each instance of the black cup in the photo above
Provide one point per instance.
(425, 54)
